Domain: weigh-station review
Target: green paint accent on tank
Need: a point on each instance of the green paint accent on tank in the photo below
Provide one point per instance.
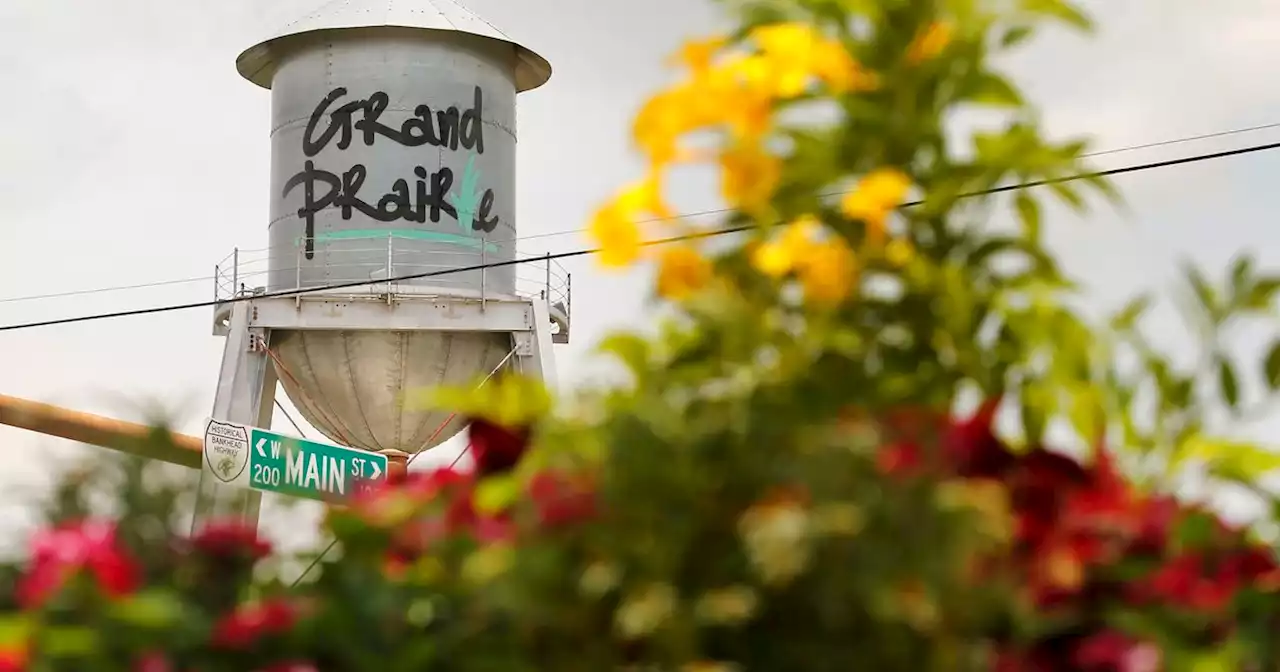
(408, 234)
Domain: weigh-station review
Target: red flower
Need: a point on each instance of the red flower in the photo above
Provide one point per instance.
(1111, 651)
(560, 499)
(59, 554)
(899, 459)
(229, 540)
(1187, 581)
(972, 449)
(388, 505)
(1156, 517)
(13, 659)
(1254, 564)
(153, 662)
(496, 449)
(251, 622)
(290, 667)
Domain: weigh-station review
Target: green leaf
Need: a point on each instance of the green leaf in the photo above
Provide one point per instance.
(1271, 366)
(632, 349)
(497, 493)
(150, 609)
(1060, 10)
(15, 630)
(1228, 383)
(1015, 36)
(1068, 194)
(1262, 293)
(1126, 318)
(70, 641)
(994, 90)
(1029, 213)
(1203, 291)
(1234, 460)
(1241, 275)
(1035, 412)
(1196, 530)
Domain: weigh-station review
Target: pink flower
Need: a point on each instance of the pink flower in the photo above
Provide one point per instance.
(59, 554)
(230, 540)
(1112, 651)
(560, 499)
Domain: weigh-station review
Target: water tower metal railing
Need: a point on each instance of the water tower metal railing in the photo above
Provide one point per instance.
(244, 271)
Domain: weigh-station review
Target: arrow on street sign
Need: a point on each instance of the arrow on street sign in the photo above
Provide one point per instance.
(288, 465)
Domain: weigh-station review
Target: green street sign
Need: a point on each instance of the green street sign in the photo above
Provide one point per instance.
(257, 459)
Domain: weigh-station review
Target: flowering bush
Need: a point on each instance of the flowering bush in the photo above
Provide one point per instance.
(787, 478)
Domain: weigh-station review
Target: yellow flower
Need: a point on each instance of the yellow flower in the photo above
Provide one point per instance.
(931, 42)
(898, 252)
(644, 196)
(599, 579)
(985, 497)
(749, 174)
(828, 272)
(618, 236)
(487, 564)
(776, 537)
(727, 606)
(779, 257)
(660, 123)
(790, 49)
(643, 612)
(614, 226)
(698, 54)
(878, 193)
(839, 519)
(836, 67)
(682, 271)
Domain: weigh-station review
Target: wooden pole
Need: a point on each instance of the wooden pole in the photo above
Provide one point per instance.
(128, 437)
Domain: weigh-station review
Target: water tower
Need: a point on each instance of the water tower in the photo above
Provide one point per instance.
(393, 153)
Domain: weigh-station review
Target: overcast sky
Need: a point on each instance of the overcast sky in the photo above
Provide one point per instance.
(131, 152)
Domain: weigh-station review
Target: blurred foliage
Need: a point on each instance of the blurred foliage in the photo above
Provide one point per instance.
(785, 480)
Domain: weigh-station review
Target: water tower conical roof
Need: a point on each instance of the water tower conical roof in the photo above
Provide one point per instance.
(259, 62)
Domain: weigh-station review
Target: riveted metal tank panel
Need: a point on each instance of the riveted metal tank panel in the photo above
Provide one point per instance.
(356, 387)
(393, 152)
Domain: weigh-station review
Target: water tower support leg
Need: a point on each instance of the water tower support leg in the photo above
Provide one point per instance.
(246, 395)
(533, 347)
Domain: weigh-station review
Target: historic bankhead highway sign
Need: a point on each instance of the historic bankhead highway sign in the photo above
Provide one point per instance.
(254, 458)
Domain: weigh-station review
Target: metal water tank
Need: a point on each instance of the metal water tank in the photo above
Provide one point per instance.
(393, 153)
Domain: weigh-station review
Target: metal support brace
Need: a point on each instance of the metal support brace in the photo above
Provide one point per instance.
(533, 347)
(246, 395)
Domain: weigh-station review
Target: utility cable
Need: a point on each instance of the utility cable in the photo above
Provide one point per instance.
(288, 417)
(584, 252)
(565, 232)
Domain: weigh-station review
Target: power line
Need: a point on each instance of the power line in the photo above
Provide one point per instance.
(102, 290)
(1190, 138)
(580, 253)
(689, 215)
